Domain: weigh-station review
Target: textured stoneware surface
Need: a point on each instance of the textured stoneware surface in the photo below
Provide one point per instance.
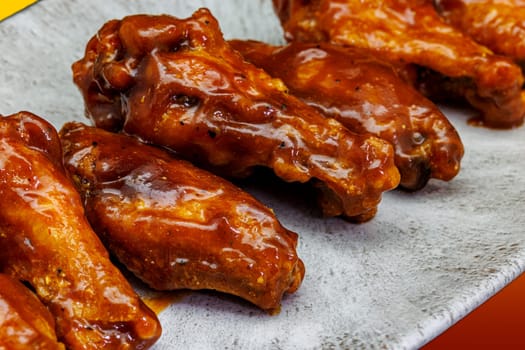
(426, 260)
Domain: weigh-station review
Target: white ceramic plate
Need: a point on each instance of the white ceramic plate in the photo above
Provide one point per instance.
(426, 260)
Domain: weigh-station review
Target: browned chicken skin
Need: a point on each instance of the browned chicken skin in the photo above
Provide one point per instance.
(412, 32)
(177, 226)
(181, 86)
(48, 243)
(25, 323)
(496, 24)
(366, 96)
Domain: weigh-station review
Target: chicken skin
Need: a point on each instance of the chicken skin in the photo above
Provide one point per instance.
(366, 96)
(496, 24)
(178, 84)
(49, 244)
(25, 323)
(177, 226)
(440, 60)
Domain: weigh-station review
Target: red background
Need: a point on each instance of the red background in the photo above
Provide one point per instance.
(499, 323)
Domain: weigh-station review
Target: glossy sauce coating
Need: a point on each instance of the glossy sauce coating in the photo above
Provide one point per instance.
(497, 24)
(366, 96)
(177, 226)
(412, 32)
(48, 242)
(182, 86)
(25, 323)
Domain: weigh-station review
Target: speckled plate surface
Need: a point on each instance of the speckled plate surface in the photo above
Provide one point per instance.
(426, 260)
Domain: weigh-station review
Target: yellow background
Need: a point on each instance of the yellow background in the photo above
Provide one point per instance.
(9, 7)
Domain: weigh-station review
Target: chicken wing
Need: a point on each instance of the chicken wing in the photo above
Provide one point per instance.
(177, 226)
(25, 323)
(366, 96)
(410, 33)
(497, 24)
(48, 242)
(177, 83)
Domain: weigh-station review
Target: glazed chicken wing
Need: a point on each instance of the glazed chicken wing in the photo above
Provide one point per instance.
(177, 226)
(48, 242)
(25, 323)
(447, 62)
(497, 24)
(178, 84)
(366, 96)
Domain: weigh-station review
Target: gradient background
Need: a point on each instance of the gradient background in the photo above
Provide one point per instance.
(10, 7)
(499, 323)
